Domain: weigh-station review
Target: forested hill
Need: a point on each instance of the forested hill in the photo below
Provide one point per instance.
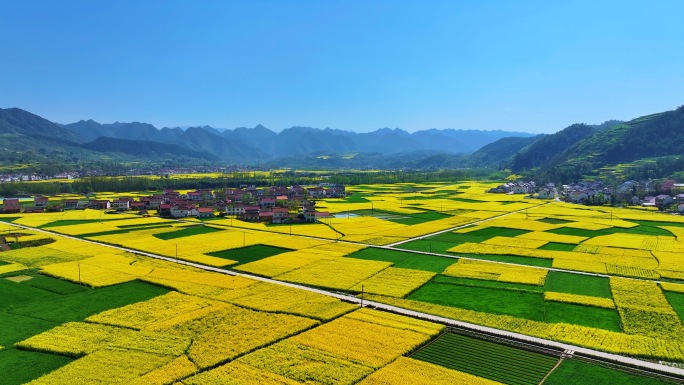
(657, 136)
(546, 148)
(649, 136)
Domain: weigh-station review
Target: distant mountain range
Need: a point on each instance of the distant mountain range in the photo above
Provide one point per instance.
(261, 142)
(241, 145)
(572, 153)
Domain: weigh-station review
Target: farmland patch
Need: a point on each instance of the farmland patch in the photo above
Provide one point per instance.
(186, 232)
(19, 367)
(487, 359)
(405, 260)
(581, 284)
(520, 304)
(558, 312)
(249, 253)
(577, 372)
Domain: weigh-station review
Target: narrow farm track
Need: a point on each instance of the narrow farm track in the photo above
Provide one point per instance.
(594, 354)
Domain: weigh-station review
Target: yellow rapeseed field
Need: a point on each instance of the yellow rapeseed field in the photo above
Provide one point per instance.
(621, 240)
(175, 370)
(300, 363)
(579, 299)
(673, 287)
(102, 270)
(408, 371)
(515, 242)
(336, 273)
(37, 220)
(283, 263)
(12, 267)
(223, 335)
(496, 272)
(396, 321)
(158, 313)
(671, 264)
(282, 299)
(236, 373)
(111, 366)
(644, 309)
(113, 225)
(366, 343)
(78, 338)
(395, 282)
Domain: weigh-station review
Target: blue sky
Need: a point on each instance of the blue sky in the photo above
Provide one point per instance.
(534, 66)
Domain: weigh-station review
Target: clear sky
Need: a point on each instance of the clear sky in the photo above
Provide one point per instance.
(534, 66)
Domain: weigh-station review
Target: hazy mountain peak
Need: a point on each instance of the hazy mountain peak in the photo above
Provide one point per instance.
(387, 130)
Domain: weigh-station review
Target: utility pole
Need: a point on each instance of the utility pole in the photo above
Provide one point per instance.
(361, 295)
(176, 251)
(79, 274)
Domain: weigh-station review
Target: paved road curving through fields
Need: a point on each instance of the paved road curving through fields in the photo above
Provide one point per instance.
(595, 354)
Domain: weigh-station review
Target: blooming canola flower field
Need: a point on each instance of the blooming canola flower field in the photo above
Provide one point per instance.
(610, 279)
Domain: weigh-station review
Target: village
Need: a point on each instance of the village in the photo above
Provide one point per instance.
(248, 203)
(293, 204)
(667, 196)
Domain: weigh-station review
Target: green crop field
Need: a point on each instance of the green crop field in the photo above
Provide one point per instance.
(644, 228)
(487, 284)
(249, 253)
(576, 372)
(431, 246)
(554, 221)
(568, 313)
(69, 222)
(677, 302)
(405, 260)
(441, 242)
(19, 367)
(14, 294)
(53, 285)
(125, 230)
(485, 299)
(186, 232)
(487, 359)
(18, 327)
(562, 282)
(36, 305)
(76, 306)
(558, 246)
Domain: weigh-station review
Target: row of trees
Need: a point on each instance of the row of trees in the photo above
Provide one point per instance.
(123, 184)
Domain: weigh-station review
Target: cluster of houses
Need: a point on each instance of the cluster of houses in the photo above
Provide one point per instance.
(547, 191)
(595, 192)
(248, 203)
(12, 178)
